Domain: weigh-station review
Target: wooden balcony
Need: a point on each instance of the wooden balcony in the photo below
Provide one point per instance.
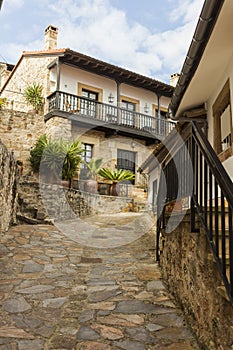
(108, 116)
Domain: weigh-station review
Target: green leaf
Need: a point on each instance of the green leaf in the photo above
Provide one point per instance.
(116, 175)
(33, 96)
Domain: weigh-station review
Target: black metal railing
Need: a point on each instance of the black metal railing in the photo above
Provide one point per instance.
(108, 113)
(211, 199)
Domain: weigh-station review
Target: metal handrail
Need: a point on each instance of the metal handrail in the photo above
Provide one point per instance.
(108, 113)
(214, 163)
(211, 199)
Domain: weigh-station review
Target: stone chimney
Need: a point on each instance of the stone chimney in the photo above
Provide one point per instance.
(50, 38)
(174, 79)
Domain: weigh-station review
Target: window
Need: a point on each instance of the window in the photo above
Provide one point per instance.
(127, 116)
(86, 157)
(160, 122)
(129, 107)
(88, 104)
(126, 160)
(90, 96)
(223, 123)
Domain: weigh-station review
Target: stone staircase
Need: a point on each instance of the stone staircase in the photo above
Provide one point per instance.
(140, 198)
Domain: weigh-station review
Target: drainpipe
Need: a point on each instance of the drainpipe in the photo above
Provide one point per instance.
(58, 82)
(118, 101)
(158, 102)
(58, 74)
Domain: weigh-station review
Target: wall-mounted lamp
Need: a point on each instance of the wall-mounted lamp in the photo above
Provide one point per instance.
(146, 108)
(133, 144)
(110, 98)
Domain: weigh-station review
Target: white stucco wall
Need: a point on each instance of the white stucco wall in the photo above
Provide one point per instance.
(228, 74)
(71, 76)
(153, 175)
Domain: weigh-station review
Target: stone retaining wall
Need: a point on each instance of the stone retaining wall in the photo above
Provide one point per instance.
(192, 277)
(19, 132)
(8, 191)
(46, 203)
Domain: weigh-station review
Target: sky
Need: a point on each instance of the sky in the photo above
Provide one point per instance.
(150, 37)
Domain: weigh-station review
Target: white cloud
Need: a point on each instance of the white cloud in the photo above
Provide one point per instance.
(187, 10)
(96, 28)
(11, 5)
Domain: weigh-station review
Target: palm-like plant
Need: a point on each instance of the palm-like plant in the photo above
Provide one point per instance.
(73, 155)
(53, 158)
(33, 96)
(56, 159)
(93, 167)
(116, 176)
(37, 152)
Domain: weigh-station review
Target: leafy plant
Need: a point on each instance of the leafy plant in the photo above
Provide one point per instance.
(60, 158)
(93, 167)
(33, 96)
(116, 176)
(53, 158)
(73, 156)
(37, 152)
(3, 101)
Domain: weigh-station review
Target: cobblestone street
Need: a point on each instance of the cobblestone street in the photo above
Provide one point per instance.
(59, 293)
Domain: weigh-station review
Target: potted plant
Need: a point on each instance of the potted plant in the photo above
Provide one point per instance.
(33, 96)
(93, 168)
(36, 153)
(56, 160)
(73, 155)
(116, 176)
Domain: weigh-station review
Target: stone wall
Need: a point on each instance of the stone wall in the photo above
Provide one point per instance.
(30, 69)
(107, 204)
(19, 132)
(107, 147)
(58, 127)
(8, 191)
(189, 269)
(45, 203)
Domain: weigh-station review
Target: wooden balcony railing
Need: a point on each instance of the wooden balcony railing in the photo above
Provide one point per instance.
(109, 114)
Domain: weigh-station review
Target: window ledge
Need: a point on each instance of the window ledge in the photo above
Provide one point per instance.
(224, 155)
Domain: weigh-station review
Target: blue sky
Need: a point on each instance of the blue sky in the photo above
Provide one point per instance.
(150, 37)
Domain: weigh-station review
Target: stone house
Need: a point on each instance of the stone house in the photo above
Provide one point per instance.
(194, 193)
(117, 114)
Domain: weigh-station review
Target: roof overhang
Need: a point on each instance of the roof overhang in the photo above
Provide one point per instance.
(208, 56)
(119, 74)
(90, 64)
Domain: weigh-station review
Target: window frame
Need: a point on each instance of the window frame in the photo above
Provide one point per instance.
(90, 88)
(220, 105)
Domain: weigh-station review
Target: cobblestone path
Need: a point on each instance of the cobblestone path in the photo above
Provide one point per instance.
(58, 293)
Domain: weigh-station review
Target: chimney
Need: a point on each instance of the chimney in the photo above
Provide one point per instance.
(174, 79)
(50, 38)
